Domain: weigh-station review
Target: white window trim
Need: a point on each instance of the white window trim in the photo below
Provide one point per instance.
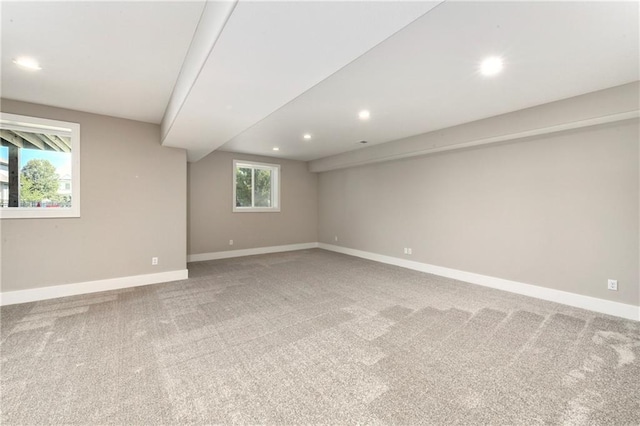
(275, 187)
(57, 127)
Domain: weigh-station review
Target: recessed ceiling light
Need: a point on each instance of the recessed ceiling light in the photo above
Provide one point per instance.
(363, 142)
(307, 136)
(364, 114)
(491, 66)
(275, 148)
(27, 63)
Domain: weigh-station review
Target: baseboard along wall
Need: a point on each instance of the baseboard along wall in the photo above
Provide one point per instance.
(249, 252)
(571, 299)
(563, 297)
(56, 291)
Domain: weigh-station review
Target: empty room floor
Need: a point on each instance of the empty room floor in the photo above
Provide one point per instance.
(315, 337)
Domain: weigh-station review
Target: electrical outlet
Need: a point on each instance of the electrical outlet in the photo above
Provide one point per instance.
(409, 251)
(154, 261)
(405, 251)
(335, 238)
(230, 242)
(612, 284)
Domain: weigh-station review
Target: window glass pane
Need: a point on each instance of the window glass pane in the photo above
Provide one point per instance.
(256, 187)
(262, 188)
(243, 187)
(35, 170)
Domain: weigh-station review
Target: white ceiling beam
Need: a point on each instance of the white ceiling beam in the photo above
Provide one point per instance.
(32, 139)
(52, 140)
(12, 138)
(54, 146)
(61, 141)
(212, 21)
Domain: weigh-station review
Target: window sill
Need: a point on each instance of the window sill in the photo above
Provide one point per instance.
(255, 210)
(38, 212)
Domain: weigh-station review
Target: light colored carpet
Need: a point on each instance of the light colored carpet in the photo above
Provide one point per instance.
(315, 337)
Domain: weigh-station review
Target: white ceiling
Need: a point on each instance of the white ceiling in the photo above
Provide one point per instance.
(112, 58)
(273, 71)
(271, 52)
(425, 77)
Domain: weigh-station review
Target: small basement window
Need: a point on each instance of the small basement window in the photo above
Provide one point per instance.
(39, 167)
(256, 187)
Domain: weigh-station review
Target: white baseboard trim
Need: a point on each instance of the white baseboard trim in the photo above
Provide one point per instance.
(249, 252)
(571, 299)
(53, 292)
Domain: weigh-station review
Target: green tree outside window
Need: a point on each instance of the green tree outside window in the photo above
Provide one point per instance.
(38, 182)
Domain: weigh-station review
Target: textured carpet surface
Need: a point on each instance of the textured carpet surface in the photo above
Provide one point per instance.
(315, 337)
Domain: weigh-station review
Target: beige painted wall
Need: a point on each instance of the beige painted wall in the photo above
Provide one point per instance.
(211, 220)
(133, 208)
(560, 211)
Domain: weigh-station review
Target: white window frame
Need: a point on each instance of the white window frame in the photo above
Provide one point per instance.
(275, 187)
(56, 127)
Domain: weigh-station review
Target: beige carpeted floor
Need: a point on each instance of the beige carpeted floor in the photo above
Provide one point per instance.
(315, 337)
